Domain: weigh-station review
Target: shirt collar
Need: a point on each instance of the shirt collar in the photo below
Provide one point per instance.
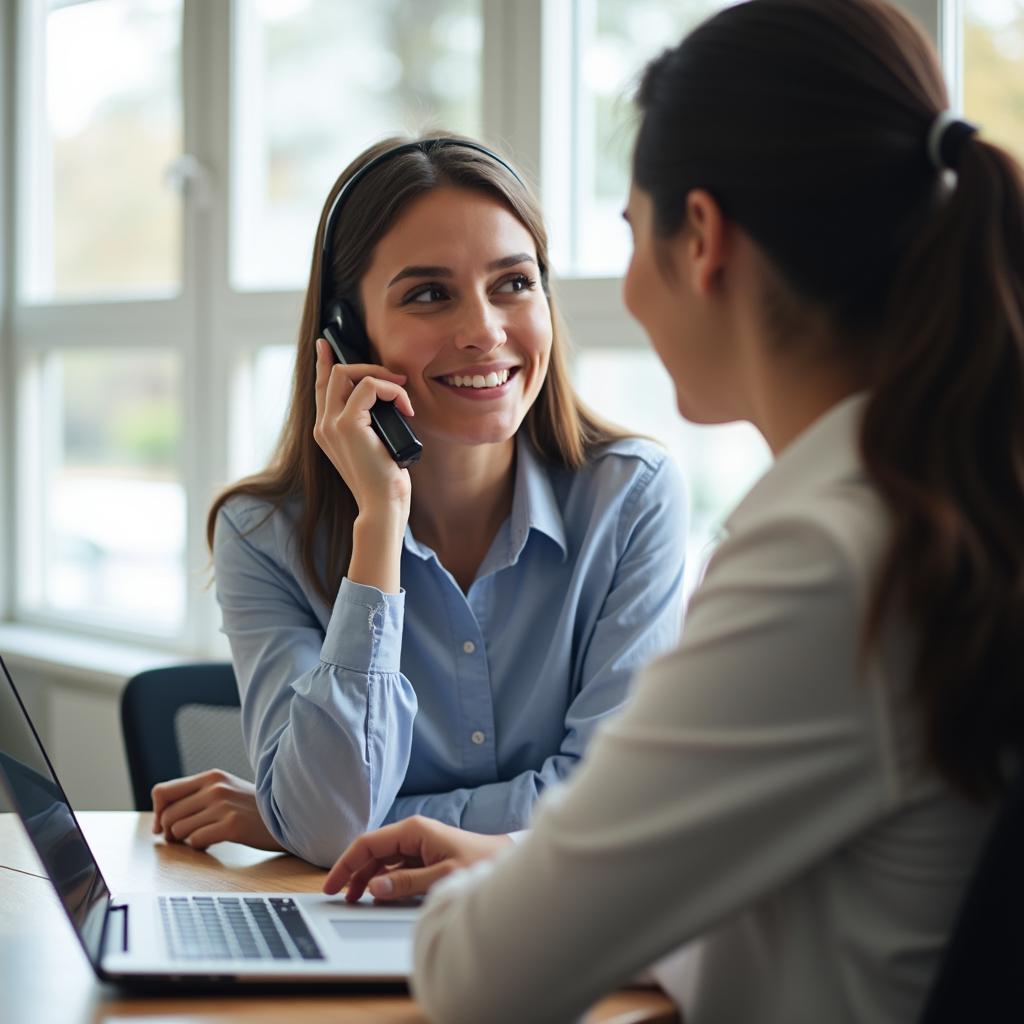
(534, 506)
(826, 451)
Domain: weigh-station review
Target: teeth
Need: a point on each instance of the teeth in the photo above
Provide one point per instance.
(478, 380)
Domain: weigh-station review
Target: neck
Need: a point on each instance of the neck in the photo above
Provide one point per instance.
(788, 399)
(461, 494)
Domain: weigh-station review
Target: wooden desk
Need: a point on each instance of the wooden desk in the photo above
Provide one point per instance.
(45, 977)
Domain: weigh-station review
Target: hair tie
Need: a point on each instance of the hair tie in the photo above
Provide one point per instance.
(946, 139)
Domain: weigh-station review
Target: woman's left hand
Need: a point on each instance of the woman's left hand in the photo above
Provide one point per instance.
(211, 807)
(405, 859)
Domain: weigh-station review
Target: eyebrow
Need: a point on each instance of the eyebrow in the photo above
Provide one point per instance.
(446, 272)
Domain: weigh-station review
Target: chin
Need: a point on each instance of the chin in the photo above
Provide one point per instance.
(477, 434)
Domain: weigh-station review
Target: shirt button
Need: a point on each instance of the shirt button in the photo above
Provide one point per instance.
(478, 737)
(469, 647)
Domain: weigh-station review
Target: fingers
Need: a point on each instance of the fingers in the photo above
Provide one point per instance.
(183, 829)
(385, 845)
(182, 798)
(355, 389)
(405, 883)
(165, 793)
(207, 835)
(359, 881)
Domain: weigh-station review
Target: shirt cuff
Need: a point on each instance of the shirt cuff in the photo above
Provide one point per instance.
(518, 837)
(365, 631)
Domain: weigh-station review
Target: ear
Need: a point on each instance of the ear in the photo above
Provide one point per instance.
(706, 241)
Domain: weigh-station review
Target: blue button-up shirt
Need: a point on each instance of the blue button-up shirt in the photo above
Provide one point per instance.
(459, 706)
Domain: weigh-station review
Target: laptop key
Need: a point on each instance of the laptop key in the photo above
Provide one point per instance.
(268, 929)
(290, 916)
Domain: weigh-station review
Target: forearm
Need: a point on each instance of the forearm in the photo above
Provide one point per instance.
(377, 550)
(330, 745)
(324, 781)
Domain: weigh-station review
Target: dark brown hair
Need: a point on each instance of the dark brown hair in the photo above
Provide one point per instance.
(563, 431)
(807, 120)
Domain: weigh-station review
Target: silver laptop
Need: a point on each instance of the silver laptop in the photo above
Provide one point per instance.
(200, 939)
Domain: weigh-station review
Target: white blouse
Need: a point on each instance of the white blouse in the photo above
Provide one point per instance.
(763, 799)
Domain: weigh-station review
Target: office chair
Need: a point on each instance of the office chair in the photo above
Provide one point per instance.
(181, 720)
(981, 977)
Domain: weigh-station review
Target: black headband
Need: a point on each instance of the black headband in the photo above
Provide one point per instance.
(425, 146)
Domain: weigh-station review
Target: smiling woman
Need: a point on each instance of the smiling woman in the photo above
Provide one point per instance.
(440, 640)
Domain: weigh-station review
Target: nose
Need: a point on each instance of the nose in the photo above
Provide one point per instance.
(480, 327)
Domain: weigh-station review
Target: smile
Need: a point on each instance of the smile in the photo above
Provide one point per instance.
(478, 381)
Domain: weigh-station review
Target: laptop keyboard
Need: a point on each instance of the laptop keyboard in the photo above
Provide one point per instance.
(236, 928)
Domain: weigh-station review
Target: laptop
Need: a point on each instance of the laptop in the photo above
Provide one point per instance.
(191, 939)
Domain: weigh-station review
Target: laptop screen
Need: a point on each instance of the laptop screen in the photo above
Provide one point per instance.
(33, 789)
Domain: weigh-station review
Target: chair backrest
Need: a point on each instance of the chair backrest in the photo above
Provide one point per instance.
(981, 977)
(181, 720)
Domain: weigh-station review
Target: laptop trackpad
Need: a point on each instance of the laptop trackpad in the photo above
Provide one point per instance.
(361, 930)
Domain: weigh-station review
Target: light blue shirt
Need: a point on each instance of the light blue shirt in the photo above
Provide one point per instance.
(459, 706)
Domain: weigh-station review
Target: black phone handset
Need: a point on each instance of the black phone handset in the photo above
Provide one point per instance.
(345, 334)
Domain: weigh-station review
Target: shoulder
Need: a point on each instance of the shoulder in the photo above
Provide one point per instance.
(256, 522)
(834, 536)
(636, 472)
(629, 488)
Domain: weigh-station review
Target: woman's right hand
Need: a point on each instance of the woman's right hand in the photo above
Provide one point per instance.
(345, 393)
(211, 807)
(407, 858)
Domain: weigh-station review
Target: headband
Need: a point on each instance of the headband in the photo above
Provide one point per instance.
(425, 146)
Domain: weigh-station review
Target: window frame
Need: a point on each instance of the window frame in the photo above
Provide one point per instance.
(216, 330)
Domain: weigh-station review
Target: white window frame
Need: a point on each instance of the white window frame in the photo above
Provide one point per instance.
(218, 331)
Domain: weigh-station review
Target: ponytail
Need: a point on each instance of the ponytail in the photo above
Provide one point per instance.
(943, 440)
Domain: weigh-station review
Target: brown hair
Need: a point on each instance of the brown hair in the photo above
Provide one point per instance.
(563, 431)
(807, 120)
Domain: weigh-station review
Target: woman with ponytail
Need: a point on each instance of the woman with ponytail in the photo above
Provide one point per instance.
(794, 799)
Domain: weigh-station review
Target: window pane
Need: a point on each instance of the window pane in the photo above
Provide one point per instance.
(720, 463)
(261, 409)
(113, 536)
(316, 81)
(615, 41)
(103, 222)
(994, 70)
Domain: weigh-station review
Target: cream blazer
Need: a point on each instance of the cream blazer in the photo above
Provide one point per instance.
(762, 802)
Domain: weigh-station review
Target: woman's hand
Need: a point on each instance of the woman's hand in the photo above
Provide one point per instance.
(407, 858)
(344, 396)
(211, 807)
(345, 393)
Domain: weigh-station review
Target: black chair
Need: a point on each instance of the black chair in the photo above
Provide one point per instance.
(981, 977)
(181, 720)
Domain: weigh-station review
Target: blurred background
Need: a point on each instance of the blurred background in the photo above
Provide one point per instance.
(165, 162)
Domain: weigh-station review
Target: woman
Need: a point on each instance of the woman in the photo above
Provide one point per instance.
(443, 639)
(799, 791)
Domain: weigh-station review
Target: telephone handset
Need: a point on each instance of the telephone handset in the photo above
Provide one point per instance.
(346, 335)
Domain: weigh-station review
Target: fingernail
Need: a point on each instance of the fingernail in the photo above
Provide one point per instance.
(382, 886)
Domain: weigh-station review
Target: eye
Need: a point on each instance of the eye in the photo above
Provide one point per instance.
(425, 294)
(516, 283)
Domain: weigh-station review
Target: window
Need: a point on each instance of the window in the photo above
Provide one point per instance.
(316, 82)
(609, 45)
(98, 320)
(993, 66)
(106, 126)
